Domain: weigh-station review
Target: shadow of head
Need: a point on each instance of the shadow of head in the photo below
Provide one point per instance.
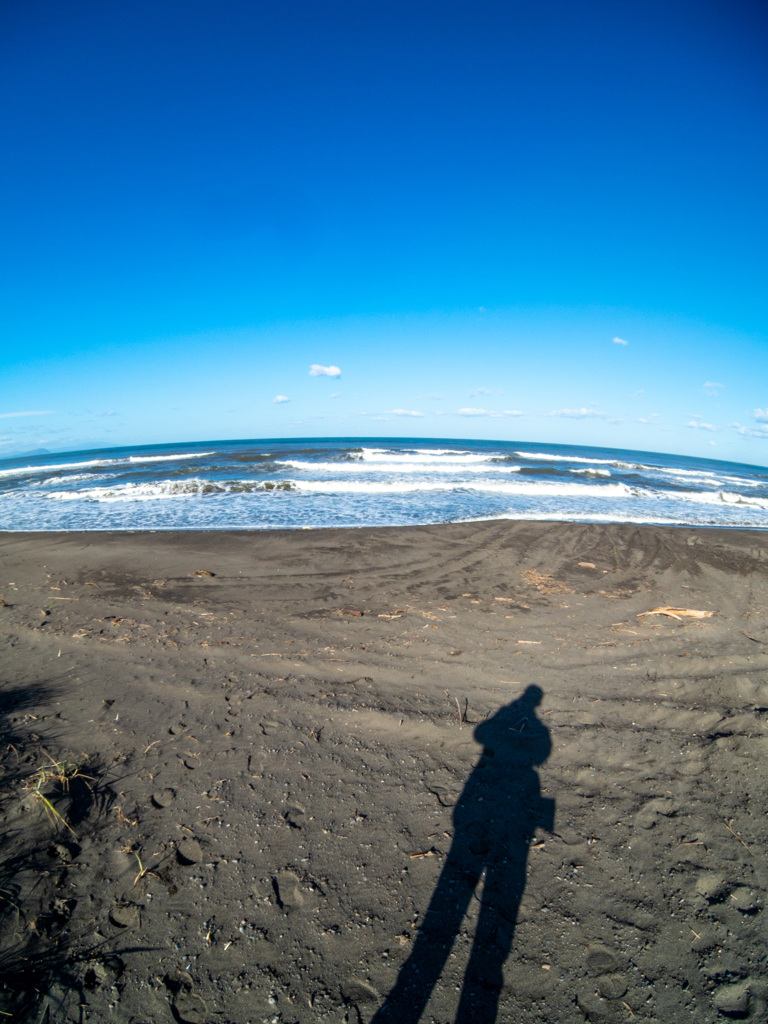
(531, 696)
(515, 733)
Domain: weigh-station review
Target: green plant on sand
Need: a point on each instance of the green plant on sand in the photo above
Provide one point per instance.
(59, 774)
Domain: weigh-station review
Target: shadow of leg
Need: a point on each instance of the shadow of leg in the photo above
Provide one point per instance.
(484, 977)
(494, 820)
(418, 975)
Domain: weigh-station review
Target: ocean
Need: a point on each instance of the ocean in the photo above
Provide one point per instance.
(300, 483)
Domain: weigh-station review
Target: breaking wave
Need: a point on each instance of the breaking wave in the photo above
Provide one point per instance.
(170, 489)
(362, 481)
(516, 487)
(415, 466)
(130, 460)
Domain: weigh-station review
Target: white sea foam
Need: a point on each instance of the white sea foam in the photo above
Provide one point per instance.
(30, 470)
(545, 457)
(568, 517)
(715, 498)
(510, 487)
(591, 472)
(707, 478)
(444, 467)
(101, 463)
(166, 458)
(72, 478)
(404, 484)
(431, 455)
(194, 487)
(686, 472)
(617, 464)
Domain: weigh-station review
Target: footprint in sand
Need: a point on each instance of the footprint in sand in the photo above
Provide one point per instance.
(188, 1005)
(742, 999)
(295, 815)
(600, 959)
(288, 890)
(125, 916)
(163, 797)
(189, 851)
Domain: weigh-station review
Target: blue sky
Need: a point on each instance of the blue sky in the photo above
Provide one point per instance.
(535, 220)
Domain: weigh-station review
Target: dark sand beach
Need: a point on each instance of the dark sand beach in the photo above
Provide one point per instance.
(433, 773)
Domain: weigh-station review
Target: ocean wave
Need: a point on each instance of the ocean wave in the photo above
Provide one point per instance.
(716, 498)
(200, 487)
(396, 467)
(192, 488)
(706, 477)
(196, 487)
(421, 455)
(131, 460)
(687, 472)
(615, 463)
(56, 467)
(587, 471)
(250, 457)
(513, 488)
(71, 478)
(215, 468)
(545, 457)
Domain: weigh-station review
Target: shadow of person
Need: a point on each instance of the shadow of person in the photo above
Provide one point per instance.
(494, 821)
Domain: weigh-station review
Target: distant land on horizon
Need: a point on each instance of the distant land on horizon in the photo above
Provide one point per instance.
(32, 453)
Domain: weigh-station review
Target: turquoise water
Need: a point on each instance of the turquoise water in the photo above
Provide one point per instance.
(273, 484)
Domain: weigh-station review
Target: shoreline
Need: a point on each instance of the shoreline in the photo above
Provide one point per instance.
(489, 520)
(271, 731)
(256, 485)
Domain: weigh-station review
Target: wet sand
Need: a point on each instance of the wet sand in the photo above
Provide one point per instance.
(289, 764)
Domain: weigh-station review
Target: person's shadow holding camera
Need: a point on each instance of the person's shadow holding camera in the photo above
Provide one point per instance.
(494, 821)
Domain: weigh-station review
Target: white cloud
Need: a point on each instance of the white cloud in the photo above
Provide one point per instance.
(335, 394)
(8, 415)
(712, 388)
(110, 412)
(580, 414)
(648, 419)
(761, 415)
(700, 425)
(406, 412)
(279, 399)
(761, 431)
(485, 391)
(619, 341)
(316, 370)
(487, 412)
